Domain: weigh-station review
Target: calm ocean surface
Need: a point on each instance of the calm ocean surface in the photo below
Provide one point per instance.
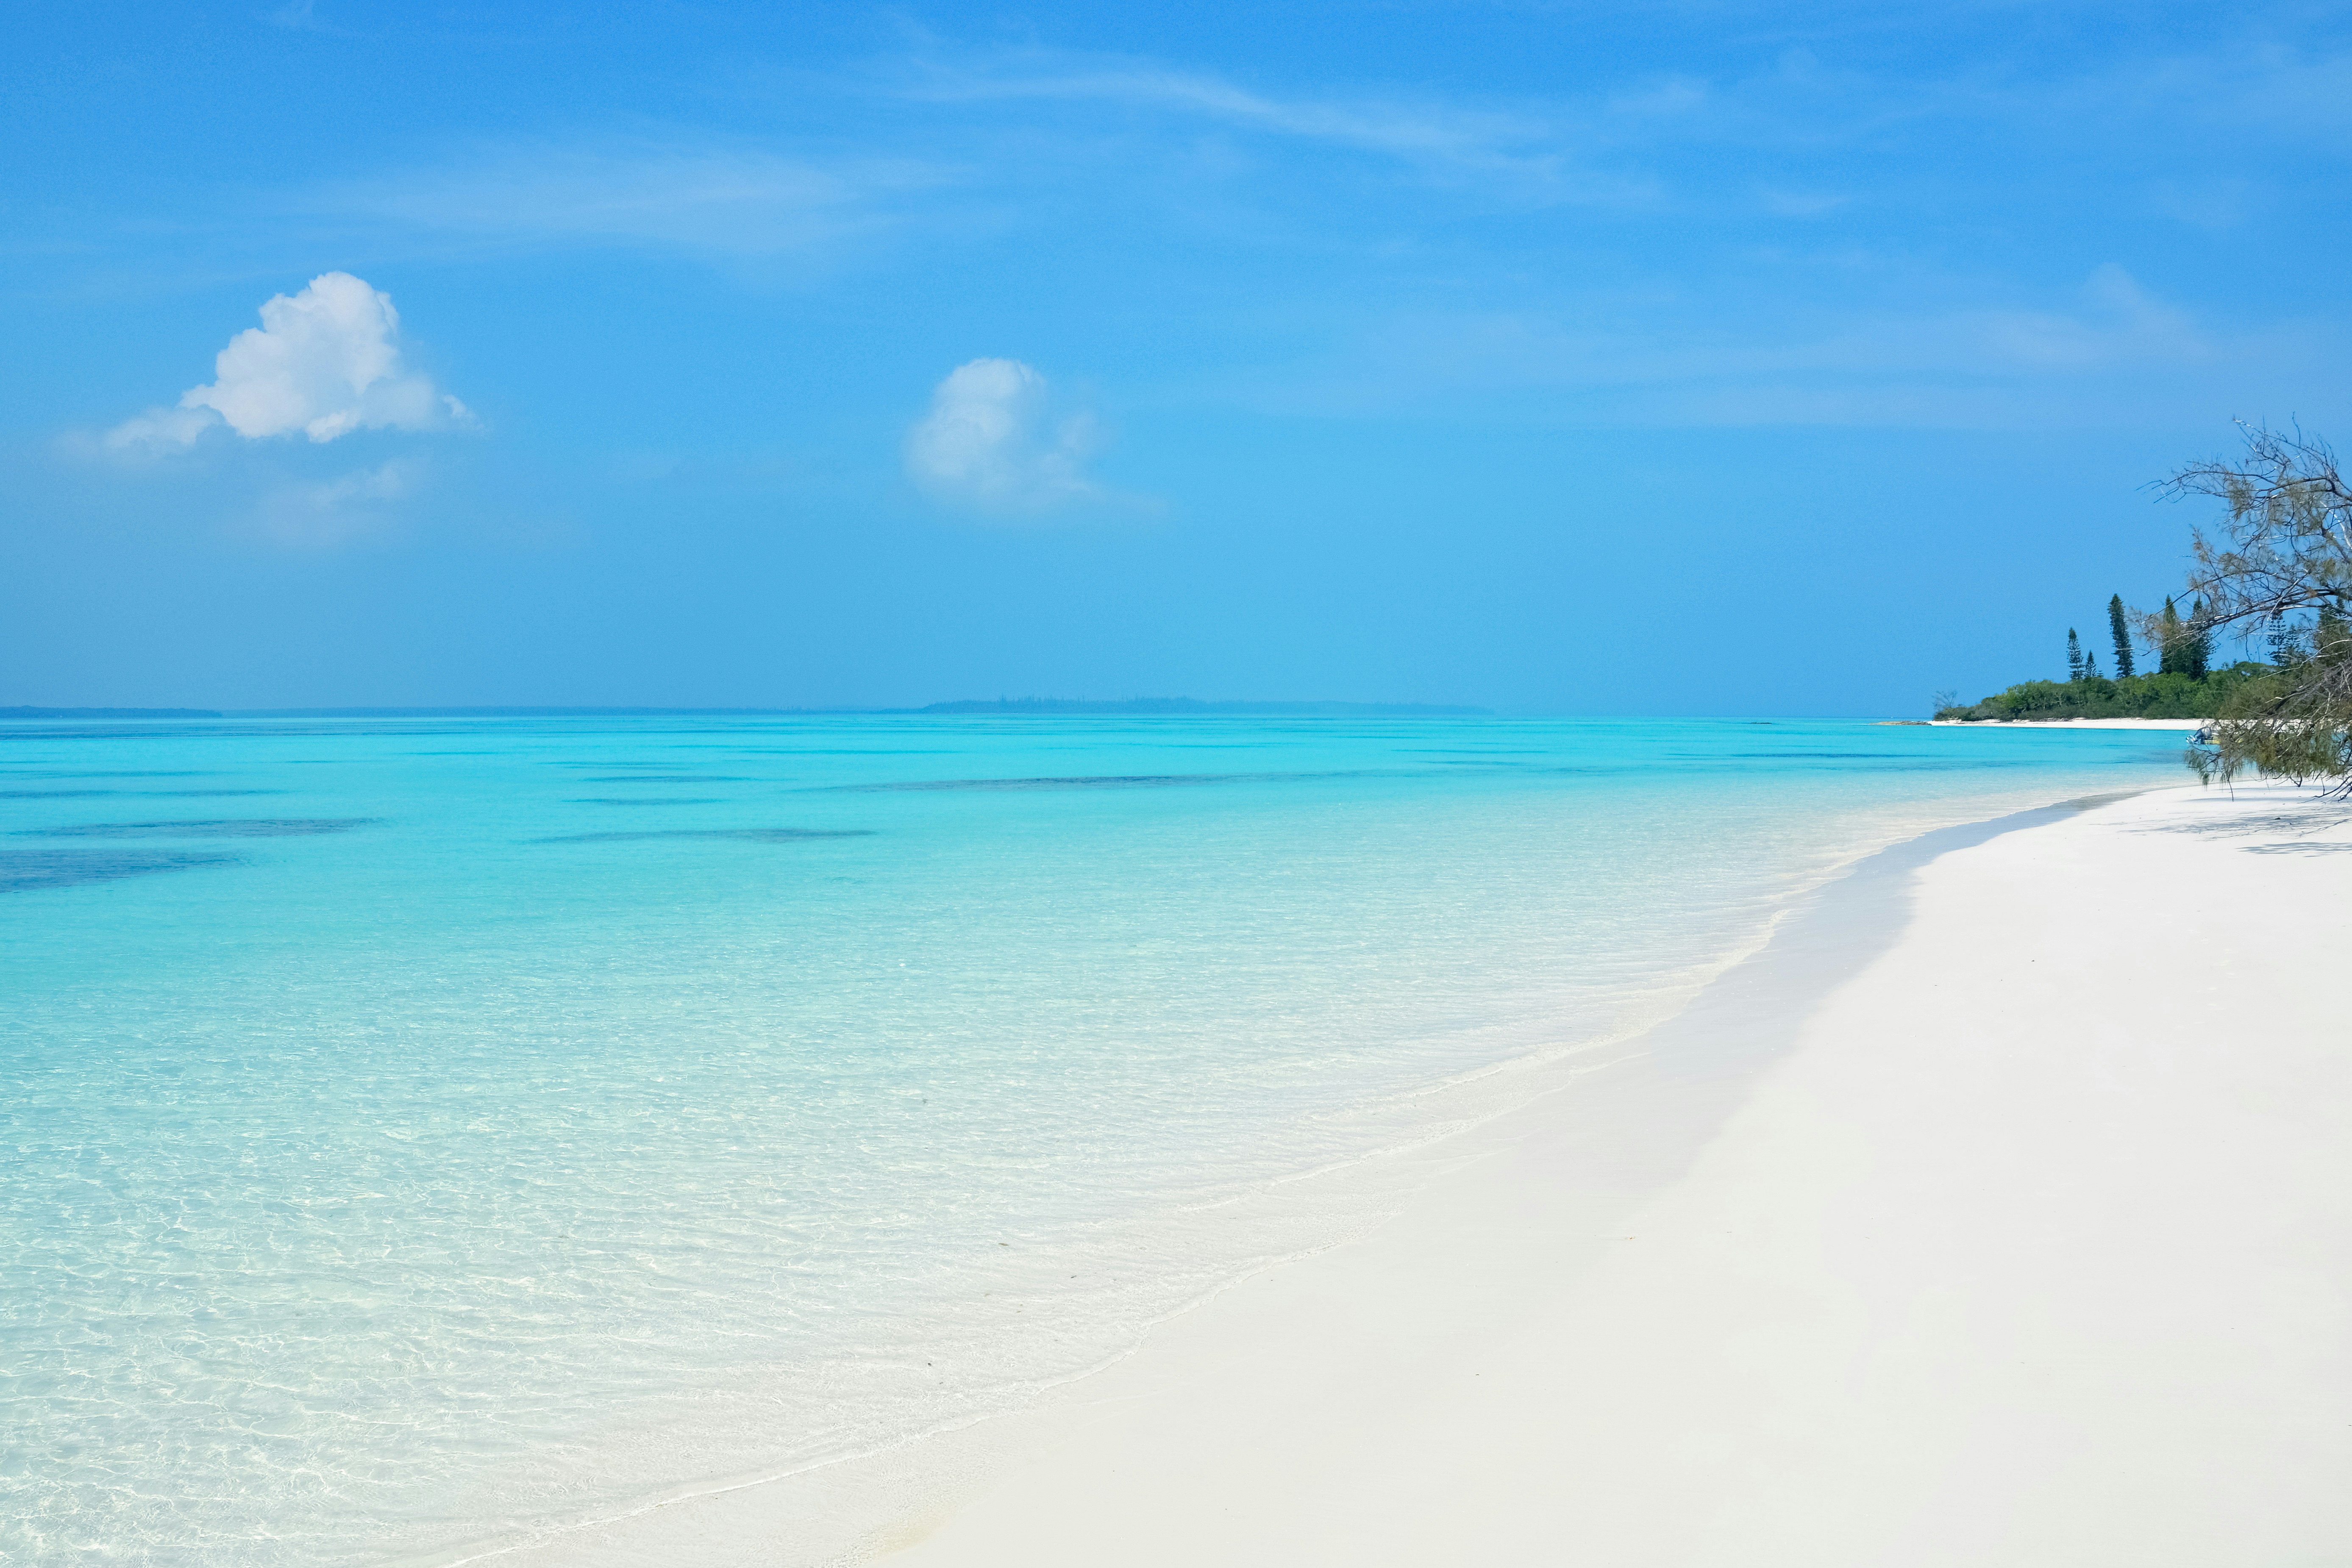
(421, 1135)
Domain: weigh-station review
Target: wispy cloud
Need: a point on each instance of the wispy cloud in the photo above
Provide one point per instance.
(302, 17)
(690, 194)
(2254, 89)
(1531, 149)
(322, 514)
(2109, 350)
(1404, 245)
(1479, 139)
(2119, 324)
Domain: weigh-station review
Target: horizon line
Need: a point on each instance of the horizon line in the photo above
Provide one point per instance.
(1135, 706)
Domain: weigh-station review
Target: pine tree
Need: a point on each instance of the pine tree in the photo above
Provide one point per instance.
(2331, 638)
(2090, 665)
(2123, 637)
(2074, 656)
(2286, 642)
(2201, 641)
(2172, 648)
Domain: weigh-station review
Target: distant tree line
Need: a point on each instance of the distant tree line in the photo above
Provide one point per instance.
(2277, 571)
(2185, 685)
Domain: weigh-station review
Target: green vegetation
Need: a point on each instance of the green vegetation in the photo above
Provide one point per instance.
(2184, 647)
(2118, 628)
(2185, 686)
(2170, 694)
(2277, 569)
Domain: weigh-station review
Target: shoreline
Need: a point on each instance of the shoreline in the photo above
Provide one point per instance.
(2067, 723)
(811, 1175)
(1295, 1346)
(1826, 929)
(1754, 1293)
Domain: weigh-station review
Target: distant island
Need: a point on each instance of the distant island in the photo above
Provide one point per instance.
(1187, 706)
(109, 712)
(2185, 685)
(539, 712)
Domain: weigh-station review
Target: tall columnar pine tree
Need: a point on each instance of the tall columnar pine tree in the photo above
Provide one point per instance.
(2201, 641)
(2074, 656)
(2286, 642)
(2171, 646)
(2090, 665)
(2123, 637)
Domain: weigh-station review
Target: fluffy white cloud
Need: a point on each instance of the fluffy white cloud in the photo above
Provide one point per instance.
(325, 362)
(988, 442)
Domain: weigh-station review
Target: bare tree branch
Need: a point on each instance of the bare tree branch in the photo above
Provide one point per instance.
(2281, 563)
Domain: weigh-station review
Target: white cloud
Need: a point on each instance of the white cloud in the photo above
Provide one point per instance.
(989, 442)
(325, 362)
(158, 430)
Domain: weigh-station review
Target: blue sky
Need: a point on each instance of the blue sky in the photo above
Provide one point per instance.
(1705, 358)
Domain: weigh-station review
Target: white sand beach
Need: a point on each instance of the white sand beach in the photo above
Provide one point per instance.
(2025, 1238)
(1999, 1212)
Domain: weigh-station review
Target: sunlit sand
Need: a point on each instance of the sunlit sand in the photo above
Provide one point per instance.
(2030, 1244)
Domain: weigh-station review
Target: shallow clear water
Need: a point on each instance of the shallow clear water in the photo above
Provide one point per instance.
(422, 1134)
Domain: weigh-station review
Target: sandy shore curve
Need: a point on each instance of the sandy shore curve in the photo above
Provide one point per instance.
(2030, 1241)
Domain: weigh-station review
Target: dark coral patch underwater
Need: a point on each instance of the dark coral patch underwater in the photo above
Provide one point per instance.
(223, 827)
(22, 870)
(751, 835)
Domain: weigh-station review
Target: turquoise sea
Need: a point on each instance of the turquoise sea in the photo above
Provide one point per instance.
(423, 1135)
